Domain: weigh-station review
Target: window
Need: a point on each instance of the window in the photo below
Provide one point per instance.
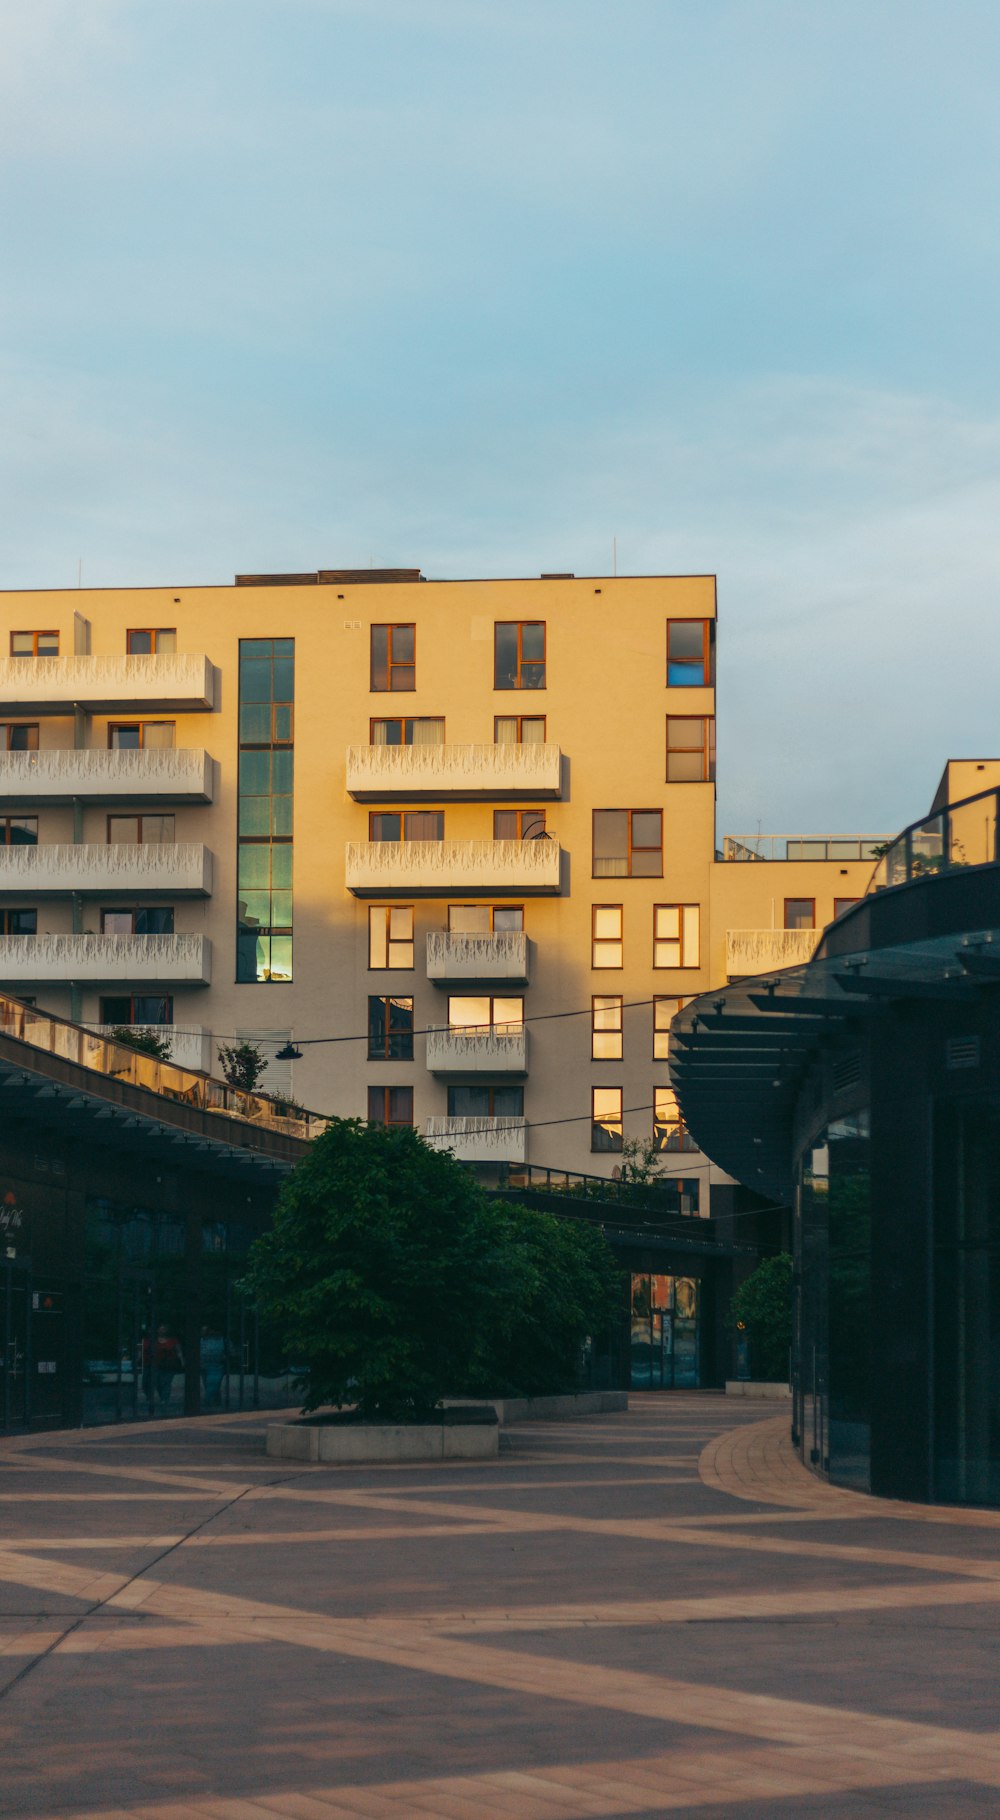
(800, 913)
(34, 644)
(519, 729)
(690, 749)
(151, 919)
(266, 724)
(664, 1012)
(518, 824)
(628, 843)
(483, 1015)
(669, 1129)
(265, 780)
(420, 730)
(519, 654)
(19, 830)
(132, 1010)
(18, 922)
(486, 919)
(390, 936)
(606, 944)
(152, 830)
(390, 1030)
(690, 650)
(606, 1118)
(390, 1105)
(136, 735)
(677, 935)
(486, 1102)
(19, 736)
(146, 641)
(393, 657)
(606, 1029)
(406, 824)
(840, 904)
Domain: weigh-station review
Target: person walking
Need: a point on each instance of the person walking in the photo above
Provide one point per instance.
(168, 1360)
(212, 1359)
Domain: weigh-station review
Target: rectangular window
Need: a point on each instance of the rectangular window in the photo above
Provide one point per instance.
(690, 748)
(150, 830)
(669, 1129)
(518, 824)
(519, 654)
(390, 1105)
(486, 919)
(406, 824)
(519, 729)
(486, 1102)
(34, 644)
(628, 843)
(677, 935)
(393, 657)
(137, 1010)
(18, 922)
(390, 937)
(265, 775)
(800, 913)
(19, 830)
(690, 653)
(664, 1012)
(418, 730)
(18, 736)
(484, 1013)
(606, 945)
(148, 641)
(606, 1118)
(137, 735)
(606, 1029)
(145, 919)
(390, 1030)
(840, 904)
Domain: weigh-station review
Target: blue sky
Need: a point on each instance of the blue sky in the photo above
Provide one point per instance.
(479, 287)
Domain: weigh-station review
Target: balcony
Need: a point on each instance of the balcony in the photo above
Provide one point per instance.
(471, 868)
(133, 869)
(476, 960)
(493, 1051)
(480, 1140)
(497, 773)
(190, 1045)
(750, 951)
(105, 685)
(119, 960)
(51, 778)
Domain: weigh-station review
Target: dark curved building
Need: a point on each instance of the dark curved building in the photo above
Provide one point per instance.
(863, 1091)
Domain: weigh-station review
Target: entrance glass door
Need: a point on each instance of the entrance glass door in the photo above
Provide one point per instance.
(15, 1343)
(664, 1338)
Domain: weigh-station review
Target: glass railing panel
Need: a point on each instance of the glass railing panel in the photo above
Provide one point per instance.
(895, 863)
(973, 832)
(929, 846)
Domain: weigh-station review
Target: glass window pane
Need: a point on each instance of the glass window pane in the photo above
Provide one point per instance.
(281, 909)
(281, 957)
(125, 738)
(400, 923)
(166, 641)
(532, 731)
(505, 730)
(255, 679)
(155, 919)
(376, 936)
(505, 663)
(647, 827)
(385, 826)
(139, 643)
(508, 919)
(403, 644)
(23, 831)
(281, 772)
(468, 1102)
(281, 815)
(253, 817)
(281, 865)
(607, 921)
(283, 679)
(687, 638)
(123, 828)
(254, 909)
(255, 723)
(610, 843)
(800, 913)
(116, 922)
(158, 733)
(506, 824)
(667, 921)
(22, 739)
(469, 919)
(508, 1013)
(533, 641)
(401, 1105)
(685, 768)
(425, 824)
(387, 732)
(158, 830)
(255, 773)
(508, 1102)
(469, 1013)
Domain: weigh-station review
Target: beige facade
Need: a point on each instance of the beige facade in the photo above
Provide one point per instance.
(674, 920)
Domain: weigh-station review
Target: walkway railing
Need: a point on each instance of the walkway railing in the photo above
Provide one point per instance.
(961, 834)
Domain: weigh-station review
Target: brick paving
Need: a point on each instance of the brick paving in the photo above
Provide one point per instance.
(647, 1614)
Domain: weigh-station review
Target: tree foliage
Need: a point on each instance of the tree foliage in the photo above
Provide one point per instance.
(145, 1039)
(242, 1064)
(397, 1281)
(763, 1305)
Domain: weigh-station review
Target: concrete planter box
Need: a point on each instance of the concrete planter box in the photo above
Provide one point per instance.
(757, 1387)
(364, 1443)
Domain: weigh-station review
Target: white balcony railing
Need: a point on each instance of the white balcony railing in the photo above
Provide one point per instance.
(102, 685)
(463, 773)
(750, 951)
(190, 1045)
(100, 775)
(432, 868)
(494, 1051)
(476, 959)
(480, 1140)
(182, 869)
(124, 960)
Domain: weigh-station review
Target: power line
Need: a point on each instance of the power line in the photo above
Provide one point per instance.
(535, 1017)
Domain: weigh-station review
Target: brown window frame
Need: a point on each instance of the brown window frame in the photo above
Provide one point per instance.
(604, 967)
(707, 660)
(18, 726)
(492, 908)
(491, 1088)
(682, 1140)
(845, 903)
(154, 634)
(611, 1000)
(678, 1000)
(404, 816)
(385, 1054)
(597, 1124)
(384, 1118)
(707, 749)
(166, 998)
(6, 822)
(520, 718)
(681, 965)
(525, 817)
(799, 900)
(630, 845)
(147, 815)
(9, 910)
(404, 721)
(115, 726)
(132, 910)
(524, 665)
(392, 664)
(29, 632)
(493, 998)
(385, 910)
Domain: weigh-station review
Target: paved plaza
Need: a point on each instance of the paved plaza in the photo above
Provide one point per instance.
(643, 1614)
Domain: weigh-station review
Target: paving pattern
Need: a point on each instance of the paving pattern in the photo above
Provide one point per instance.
(644, 1614)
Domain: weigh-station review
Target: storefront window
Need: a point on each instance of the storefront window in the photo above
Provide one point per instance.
(664, 1338)
(833, 1302)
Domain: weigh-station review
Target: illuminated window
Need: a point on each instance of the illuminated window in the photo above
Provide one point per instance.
(677, 935)
(606, 945)
(484, 1014)
(669, 1129)
(606, 1118)
(664, 1012)
(390, 937)
(606, 1029)
(393, 657)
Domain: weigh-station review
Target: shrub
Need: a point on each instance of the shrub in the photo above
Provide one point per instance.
(763, 1304)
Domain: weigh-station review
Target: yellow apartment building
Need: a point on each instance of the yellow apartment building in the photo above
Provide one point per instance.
(452, 841)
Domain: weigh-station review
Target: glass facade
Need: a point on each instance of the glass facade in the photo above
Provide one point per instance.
(833, 1302)
(664, 1336)
(965, 1460)
(264, 856)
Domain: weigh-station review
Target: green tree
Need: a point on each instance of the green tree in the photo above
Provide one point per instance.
(145, 1039)
(763, 1306)
(559, 1284)
(242, 1065)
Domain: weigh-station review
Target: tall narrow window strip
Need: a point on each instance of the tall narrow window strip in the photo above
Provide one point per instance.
(264, 811)
(606, 1028)
(606, 1119)
(677, 935)
(690, 748)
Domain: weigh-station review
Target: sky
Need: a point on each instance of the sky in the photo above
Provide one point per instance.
(481, 286)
